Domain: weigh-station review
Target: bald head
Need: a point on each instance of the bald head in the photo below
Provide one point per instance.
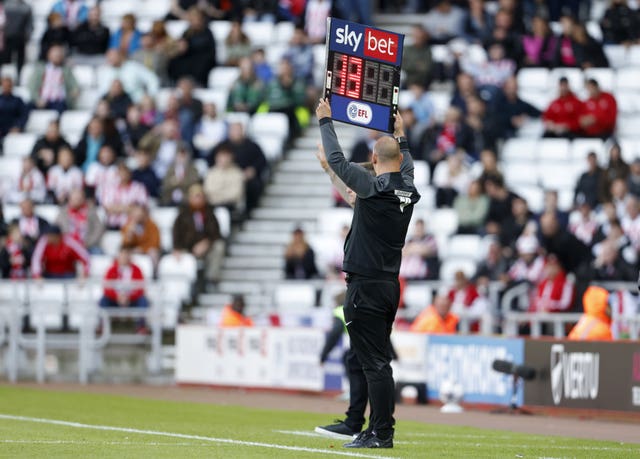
(386, 155)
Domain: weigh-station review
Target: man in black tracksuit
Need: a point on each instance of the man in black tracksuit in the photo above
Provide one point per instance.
(372, 254)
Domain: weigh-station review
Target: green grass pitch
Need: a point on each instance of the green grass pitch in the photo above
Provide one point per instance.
(124, 427)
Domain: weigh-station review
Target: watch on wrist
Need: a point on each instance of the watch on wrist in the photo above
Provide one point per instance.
(401, 139)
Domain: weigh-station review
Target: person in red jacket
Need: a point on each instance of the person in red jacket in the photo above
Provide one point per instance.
(122, 271)
(554, 292)
(599, 112)
(56, 255)
(561, 117)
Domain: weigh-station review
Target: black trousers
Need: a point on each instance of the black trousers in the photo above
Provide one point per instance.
(369, 311)
(358, 391)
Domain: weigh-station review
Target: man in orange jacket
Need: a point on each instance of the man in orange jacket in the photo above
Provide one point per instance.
(233, 314)
(436, 318)
(595, 323)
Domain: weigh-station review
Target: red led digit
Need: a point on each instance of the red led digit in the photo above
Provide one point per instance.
(354, 77)
(339, 74)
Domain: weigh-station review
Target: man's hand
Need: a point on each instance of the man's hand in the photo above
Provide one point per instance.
(398, 126)
(322, 158)
(324, 109)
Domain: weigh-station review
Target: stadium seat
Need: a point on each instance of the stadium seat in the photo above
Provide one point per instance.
(224, 220)
(593, 28)
(23, 93)
(627, 126)
(223, 77)
(558, 176)
(450, 266)
(534, 195)
(25, 74)
(175, 29)
(273, 53)
(10, 211)
(88, 99)
(145, 264)
(519, 150)
(260, 33)
(99, 265)
(269, 124)
(294, 296)
(238, 117)
(74, 121)
(46, 303)
(405, 98)
(421, 173)
(553, 150)
(83, 300)
(427, 197)
(443, 222)
(532, 129)
(634, 56)
(575, 77)
(533, 79)
(220, 30)
(284, 31)
(18, 144)
(49, 212)
(162, 98)
(464, 245)
(185, 266)
(164, 217)
(520, 174)
(628, 79)
(9, 170)
(217, 97)
(272, 146)
(39, 120)
(85, 75)
(617, 55)
(416, 297)
(441, 101)
(110, 242)
(630, 148)
(604, 77)
(330, 221)
(580, 148)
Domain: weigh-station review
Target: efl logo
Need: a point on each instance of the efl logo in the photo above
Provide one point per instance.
(359, 113)
(381, 45)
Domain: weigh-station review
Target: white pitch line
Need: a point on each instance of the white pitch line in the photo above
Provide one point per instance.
(79, 425)
(94, 443)
(304, 433)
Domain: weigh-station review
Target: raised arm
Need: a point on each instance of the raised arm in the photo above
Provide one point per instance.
(406, 168)
(339, 185)
(354, 176)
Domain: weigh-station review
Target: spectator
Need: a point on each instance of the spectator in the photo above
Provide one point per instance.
(17, 31)
(554, 292)
(180, 9)
(479, 22)
(74, 12)
(500, 204)
(30, 184)
(620, 24)
(491, 75)
(261, 67)
(144, 174)
(631, 221)
(617, 167)
(494, 267)
(437, 318)
(79, 219)
(595, 323)
(286, 94)
(136, 79)
(419, 255)
(124, 287)
(513, 112)
(247, 92)
(561, 118)
(13, 111)
(582, 221)
(465, 297)
(611, 231)
(101, 173)
(91, 38)
(551, 206)
(196, 231)
(57, 34)
(127, 37)
(135, 130)
(189, 109)
(163, 43)
(564, 52)
(315, 20)
(31, 225)
(181, 175)
(52, 84)
(451, 178)
(587, 51)
(196, 54)
(249, 157)
(56, 255)
(529, 265)
(571, 252)
(506, 33)
(618, 192)
(163, 142)
(15, 255)
(592, 184)
(599, 112)
(483, 127)
(237, 43)
(471, 209)
(118, 195)
(609, 266)
(210, 130)
(118, 100)
(224, 183)
(153, 57)
(454, 133)
(514, 225)
(486, 167)
(633, 180)
(362, 149)
(87, 150)
(64, 177)
(233, 314)
(465, 89)
(417, 59)
(140, 234)
(422, 108)
(444, 22)
(539, 46)
(299, 257)
(300, 56)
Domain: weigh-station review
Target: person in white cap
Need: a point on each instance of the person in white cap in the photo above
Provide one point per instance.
(529, 264)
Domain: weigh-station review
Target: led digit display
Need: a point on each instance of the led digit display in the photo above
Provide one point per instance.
(354, 77)
(339, 74)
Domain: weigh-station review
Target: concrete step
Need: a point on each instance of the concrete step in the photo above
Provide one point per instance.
(281, 202)
(277, 225)
(299, 189)
(261, 237)
(256, 250)
(222, 299)
(300, 166)
(254, 262)
(318, 177)
(298, 215)
(244, 286)
(257, 275)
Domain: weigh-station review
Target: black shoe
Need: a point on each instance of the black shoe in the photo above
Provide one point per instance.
(369, 440)
(338, 430)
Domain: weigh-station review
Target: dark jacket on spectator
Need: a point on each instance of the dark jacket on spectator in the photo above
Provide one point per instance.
(571, 252)
(88, 40)
(13, 113)
(42, 144)
(149, 179)
(620, 270)
(185, 233)
(620, 24)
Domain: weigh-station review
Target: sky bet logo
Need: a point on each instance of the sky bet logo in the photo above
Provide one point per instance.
(377, 44)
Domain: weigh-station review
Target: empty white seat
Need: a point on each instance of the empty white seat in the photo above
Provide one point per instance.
(421, 173)
(580, 149)
(534, 78)
(85, 75)
(220, 30)
(519, 150)
(553, 150)
(48, 211)
(83, 304)
(145, 264)
(520, 174)
(330, 221)
(534, 195)
(176, 28)
(23, 93)
(539, 99)
(269, 124)
(73, 121)
(416, 297)
(294, 296)
(617, 55)
(223, 77)
(182, 266)
(110, 243)
(441, 101)
(164, 217)
(604, 77)
(25, 74)
(627, 126)
(46, 303)
(10, 168)
(39, 120)
(465, 245)
(238, 117)
(99, 265)
(272, 146)
(630, 149)
(284, 31)
(443, 222)
(259, 33)
(450, 266)
(218, 97)
(559, 176)
(628, 79)
(19, 144)
(575, 77)
(224, 221)
(162, 98)
(88, 99)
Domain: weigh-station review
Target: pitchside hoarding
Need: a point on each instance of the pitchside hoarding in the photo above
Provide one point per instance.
(590, 375)
(362, 79)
